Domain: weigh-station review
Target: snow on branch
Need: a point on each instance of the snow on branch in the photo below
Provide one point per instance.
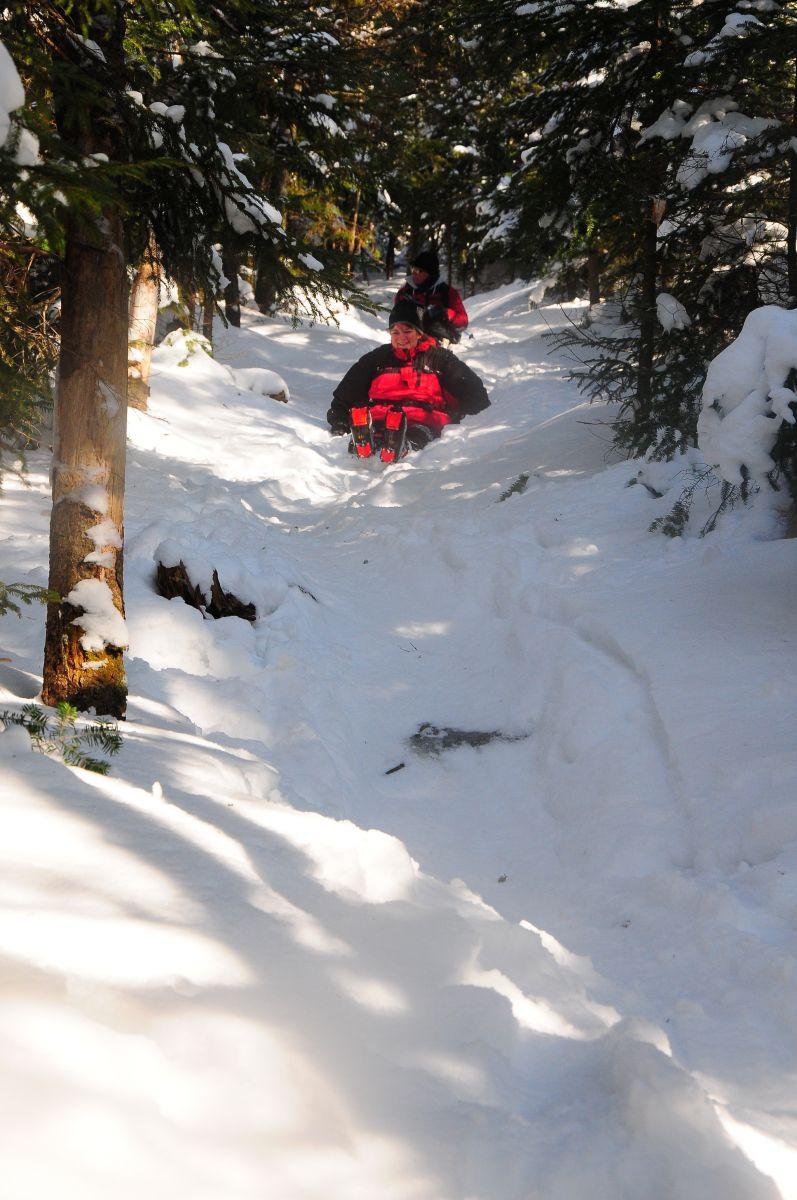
(246, 211)
(746, 398)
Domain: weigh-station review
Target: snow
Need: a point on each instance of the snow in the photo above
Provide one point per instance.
(250, 962)
(101, 621)
(738, 25)
(716, 130)
(311, 262)
(671, 313)
(247, 212)
(12, 94)
(745, 400)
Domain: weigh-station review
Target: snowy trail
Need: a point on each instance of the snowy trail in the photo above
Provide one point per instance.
(543, 968)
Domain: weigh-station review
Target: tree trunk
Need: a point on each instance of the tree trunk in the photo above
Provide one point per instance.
(414, 244)
(593, 275)
(232, 298)
(390, 255)
(265, 277)
(647, 306)
(191, 309)
(353, 232)
(83, 645)
(207, 316)
(791, 236)
(141, 330)
(265, 282)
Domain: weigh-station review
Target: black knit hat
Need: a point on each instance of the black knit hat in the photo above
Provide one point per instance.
(406, 312)
(427, 260)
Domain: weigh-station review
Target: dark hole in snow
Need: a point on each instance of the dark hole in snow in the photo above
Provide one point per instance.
(434, 739)
(174, 581)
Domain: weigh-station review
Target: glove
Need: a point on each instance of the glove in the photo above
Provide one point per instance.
(338, 423)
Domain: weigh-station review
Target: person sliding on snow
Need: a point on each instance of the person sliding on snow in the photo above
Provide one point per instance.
(444, 313)
(403, 395)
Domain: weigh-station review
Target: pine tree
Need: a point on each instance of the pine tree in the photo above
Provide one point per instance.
(126, 103)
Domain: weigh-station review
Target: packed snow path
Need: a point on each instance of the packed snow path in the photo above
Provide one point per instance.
(253, 963)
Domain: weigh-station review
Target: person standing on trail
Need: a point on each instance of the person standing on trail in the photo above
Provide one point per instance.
(404, 394)
(444, 313)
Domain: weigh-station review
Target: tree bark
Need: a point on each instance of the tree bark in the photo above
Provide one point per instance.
(141, 331)
(265, 277)
(207, 315)
(265, 284)
(390, 255)
(352, 247)
(88, 473)
(414, 244)
(593, 275)
(791, 237)
(647, 306)
(191, 306)
(232, 298)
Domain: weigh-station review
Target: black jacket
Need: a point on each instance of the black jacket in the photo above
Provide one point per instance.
(455, 377)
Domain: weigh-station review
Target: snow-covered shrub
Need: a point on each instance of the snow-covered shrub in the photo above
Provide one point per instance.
(744, 425)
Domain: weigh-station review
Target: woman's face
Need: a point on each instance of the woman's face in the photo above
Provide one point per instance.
(404, 337)
(419, 276)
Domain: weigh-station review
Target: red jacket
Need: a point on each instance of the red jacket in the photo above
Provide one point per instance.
(432, 386)
(437, 295)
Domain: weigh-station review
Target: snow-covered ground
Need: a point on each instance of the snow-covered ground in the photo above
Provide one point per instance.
(254, 963)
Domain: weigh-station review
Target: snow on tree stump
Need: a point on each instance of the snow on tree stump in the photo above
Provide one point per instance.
(174, 581)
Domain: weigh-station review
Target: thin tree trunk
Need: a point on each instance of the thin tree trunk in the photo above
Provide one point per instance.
(191, 309)
(647, 317)
(390, 255)
(415, 238)
(791, 237)
(593, 275)
(232, 298)
(265, 277)
(83, 661)
(207, 316)
(141, 330)
(353, 231)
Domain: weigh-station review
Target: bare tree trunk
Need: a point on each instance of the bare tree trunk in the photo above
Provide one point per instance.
(265, 277)
(647, 317)
(390, 255)
(593, 275)
(265, 283)
(791, 237)
(415, 238)
(191, 309)
(85, 632)
(232, 298)
(141, 330)
(207, 316)
(353, 231)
